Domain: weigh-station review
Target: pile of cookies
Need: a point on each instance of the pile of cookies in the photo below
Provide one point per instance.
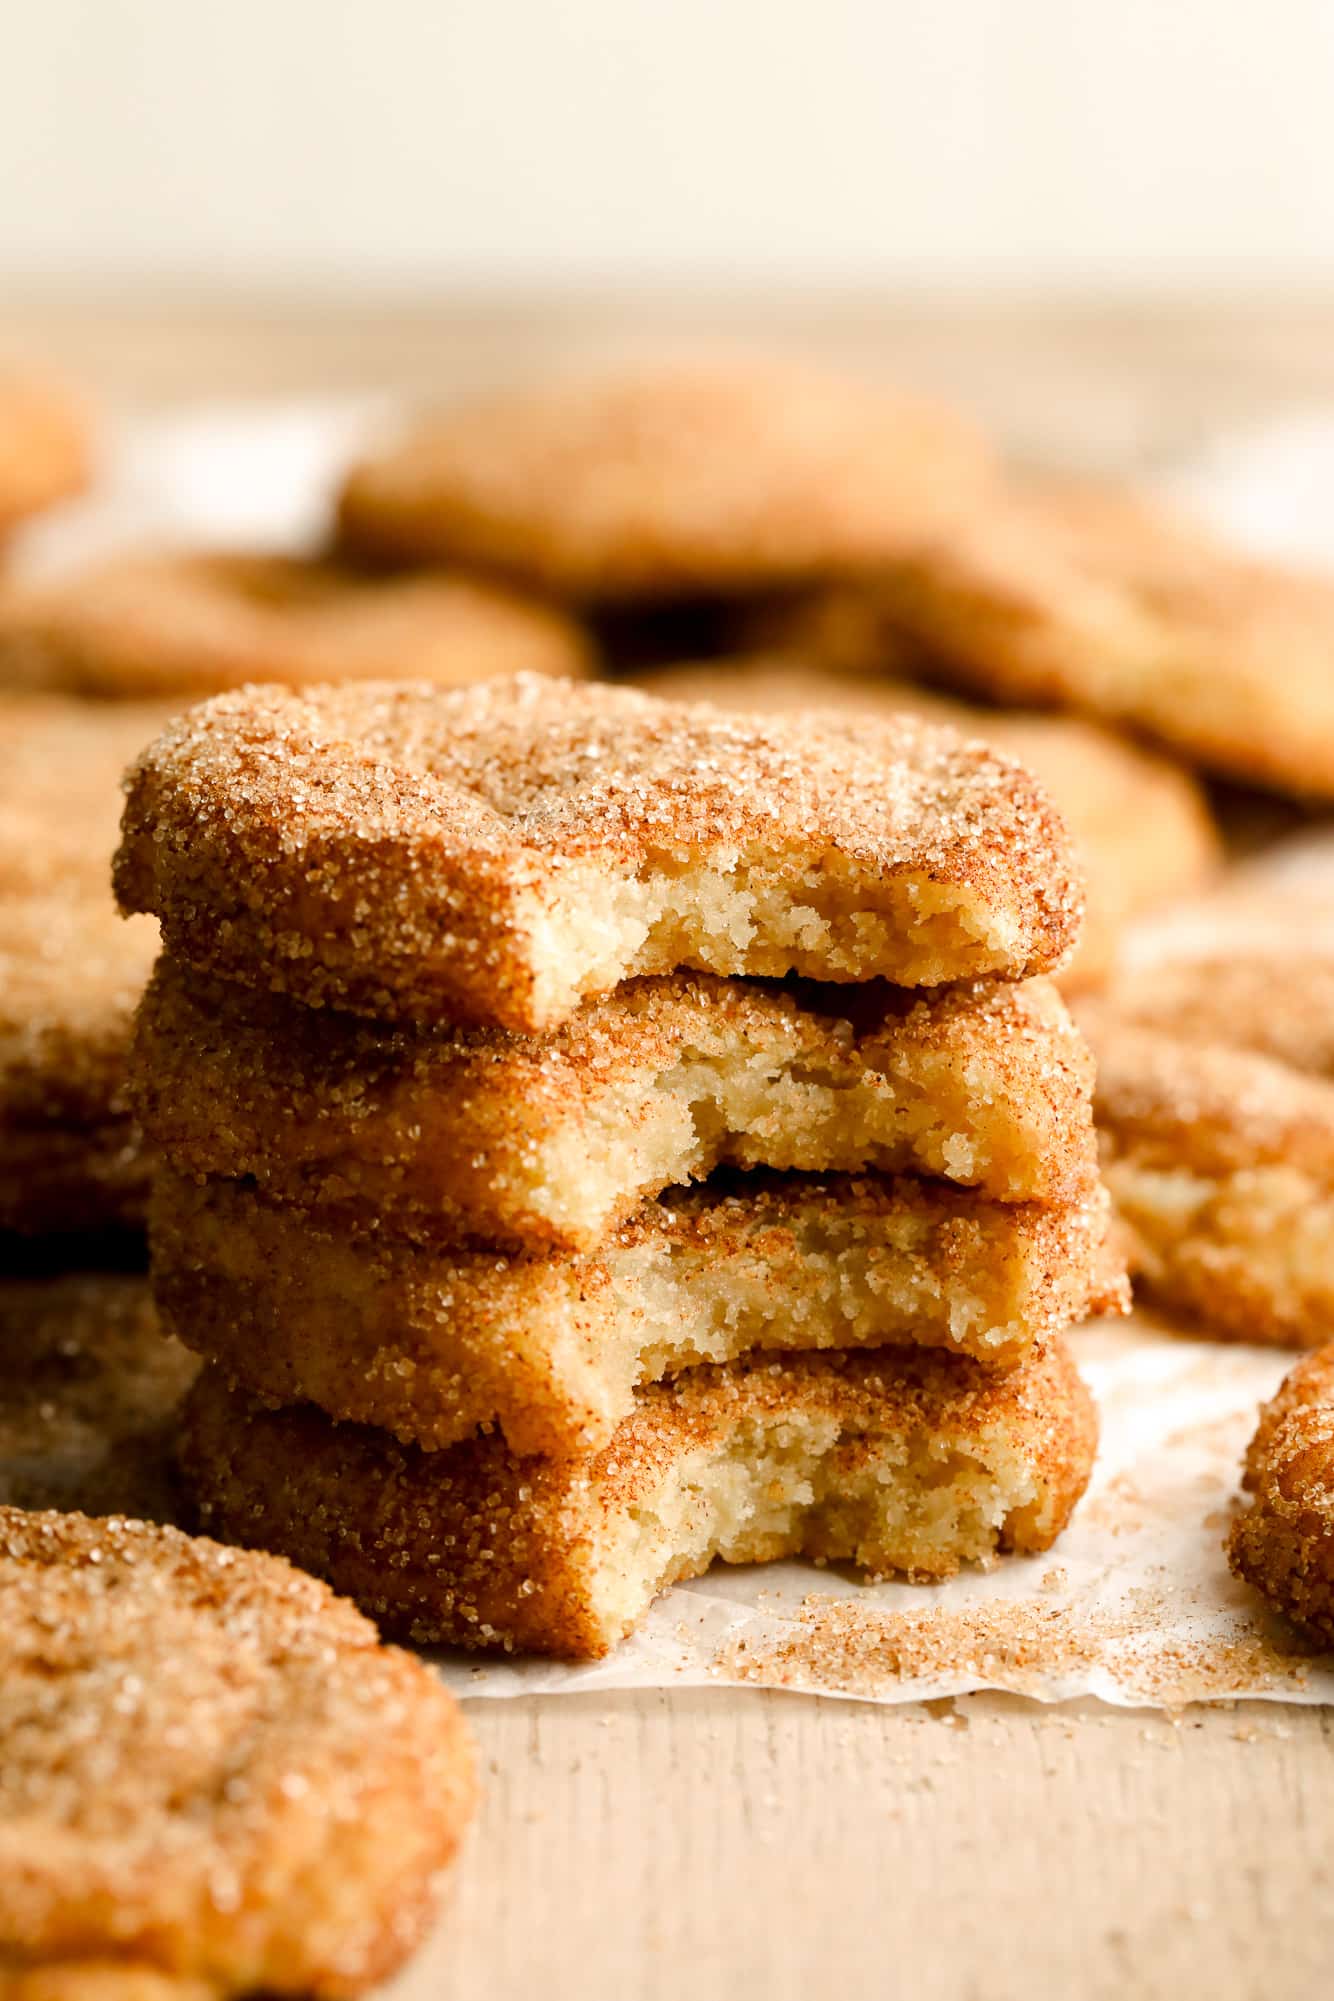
(591, 1134)
(543, 1246)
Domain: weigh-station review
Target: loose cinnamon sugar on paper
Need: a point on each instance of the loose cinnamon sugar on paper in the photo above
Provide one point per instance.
(1023, 1646)
(835, 1646)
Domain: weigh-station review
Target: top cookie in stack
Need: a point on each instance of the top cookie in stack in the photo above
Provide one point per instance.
(457, 988)
(497, 856)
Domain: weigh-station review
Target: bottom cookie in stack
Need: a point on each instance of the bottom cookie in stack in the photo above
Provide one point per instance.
(897, 1460)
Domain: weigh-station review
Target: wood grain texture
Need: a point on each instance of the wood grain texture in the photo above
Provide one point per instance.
(738, 1845)
(759, 1846)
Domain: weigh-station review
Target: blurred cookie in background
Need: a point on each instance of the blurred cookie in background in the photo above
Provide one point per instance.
(1271, 908)
(71, 974)
(1215, 1111)
(89, 1386)
(1141, 825)
(843, 628)
(193, 624)
(1096, 600)
(71, 969)
(45, 445)
(685, 480)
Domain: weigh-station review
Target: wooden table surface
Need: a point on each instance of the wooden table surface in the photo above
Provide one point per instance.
(731, 1844)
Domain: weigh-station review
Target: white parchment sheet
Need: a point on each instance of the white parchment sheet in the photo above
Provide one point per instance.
(1135, 1605)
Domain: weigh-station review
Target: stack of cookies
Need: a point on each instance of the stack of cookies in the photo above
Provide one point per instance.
(604, 1135)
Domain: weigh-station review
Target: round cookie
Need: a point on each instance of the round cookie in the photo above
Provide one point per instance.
(687, 480)
(44, 446)
(190, 625)
(495, 854)
(897, 1460)
(1220, 1163)
(433, 1344)
(1284, 1543)
(89, 1385)
(1097, 601)
(456, 1135)
(214, 1772)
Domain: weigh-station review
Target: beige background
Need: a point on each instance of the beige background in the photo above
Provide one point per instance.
(419, 145)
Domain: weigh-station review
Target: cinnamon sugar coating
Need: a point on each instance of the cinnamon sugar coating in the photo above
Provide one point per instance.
(194, 623)
(1220, 1164)
(44, 445)
(551, 1141)
(214, 1774)
(1097, 601)
(434, 1345)
(1284, 1543)
(494, 854)
(89, 1385)
(71, 974)
(1142, 830)
(691, 478)
(902, 1460)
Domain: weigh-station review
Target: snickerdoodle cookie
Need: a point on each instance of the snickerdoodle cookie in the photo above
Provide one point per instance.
(898, 1460)
(683, 480)
(194, 624)
(1097, 601)
(494, 854)
(1284, 1543)
(548, 1142)
(1217, 1148)
(71, 974)
(89, 1385)
(214, 1774)
(61, 763)
(45, 445)
(433, 1344)
(1142, 828)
